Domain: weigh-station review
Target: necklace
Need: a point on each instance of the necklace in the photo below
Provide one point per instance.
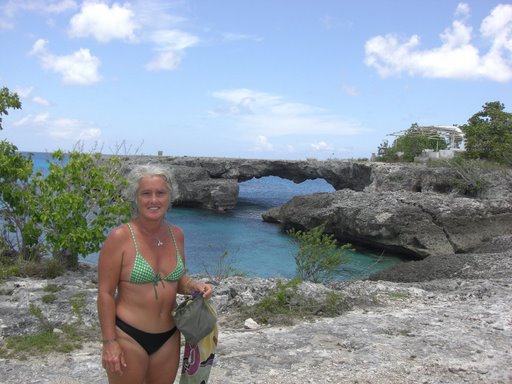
(159, 242)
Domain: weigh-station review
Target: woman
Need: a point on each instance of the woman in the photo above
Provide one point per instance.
(141, 268)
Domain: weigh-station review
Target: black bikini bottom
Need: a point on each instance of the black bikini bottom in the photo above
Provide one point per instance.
(151, 342)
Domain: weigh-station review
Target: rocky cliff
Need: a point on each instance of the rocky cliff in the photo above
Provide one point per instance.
(212, 183)
(413, 224)
(410, 209)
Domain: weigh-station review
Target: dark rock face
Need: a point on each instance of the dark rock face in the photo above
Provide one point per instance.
(193, 187)
(414, 224)
(410, 209)
(492, 259)
(212, 183)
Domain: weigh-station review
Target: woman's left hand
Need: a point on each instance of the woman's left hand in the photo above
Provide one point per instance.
(204, 289)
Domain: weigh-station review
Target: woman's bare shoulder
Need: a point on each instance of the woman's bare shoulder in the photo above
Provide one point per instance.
(117, 237)
(177, 231)
(120, 231)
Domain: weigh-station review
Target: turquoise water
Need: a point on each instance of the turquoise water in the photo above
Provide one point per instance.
(255, 248)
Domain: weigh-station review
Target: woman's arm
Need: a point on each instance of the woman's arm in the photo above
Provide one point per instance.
(109, 271)
(186, 286)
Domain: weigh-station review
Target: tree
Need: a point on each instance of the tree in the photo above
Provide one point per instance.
(488, 134)
(64, 213)
(16, 199)
(387, 153)
(77, 202)
(319, 256)
(416, 140)
(411, 144)
(8, 100)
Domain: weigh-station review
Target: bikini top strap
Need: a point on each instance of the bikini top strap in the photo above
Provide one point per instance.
(133, 237)
(174, 241)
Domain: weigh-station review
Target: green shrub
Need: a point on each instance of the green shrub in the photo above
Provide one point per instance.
(41, 342)
(285, 303)
(7, 271)
(222, 268)
(319, 256)
(78, 301)
(65, 213)
(49, 298)
(488, 134)
(472, 176)
(53, 288)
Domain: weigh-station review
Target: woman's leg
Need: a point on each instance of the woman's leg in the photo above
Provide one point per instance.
(163, 364)
(136, 358)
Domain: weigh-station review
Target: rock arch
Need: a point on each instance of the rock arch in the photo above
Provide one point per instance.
(212, 182)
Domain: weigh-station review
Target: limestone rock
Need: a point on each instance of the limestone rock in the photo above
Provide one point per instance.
(414, 224)
(446, 329)
(251, 324)
(410, 209)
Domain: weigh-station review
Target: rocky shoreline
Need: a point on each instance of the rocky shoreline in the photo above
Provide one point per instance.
(442, 320)
(416, 210)
(446, 318)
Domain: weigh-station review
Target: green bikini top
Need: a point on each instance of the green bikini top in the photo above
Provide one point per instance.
(143, 273)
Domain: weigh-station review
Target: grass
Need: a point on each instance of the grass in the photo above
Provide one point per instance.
(45, 341)
(77, 302)
(49, 298)
(53, 288)
(283, 304)
(44, 269)
(41, 342)
(399, 295)
(51, 337)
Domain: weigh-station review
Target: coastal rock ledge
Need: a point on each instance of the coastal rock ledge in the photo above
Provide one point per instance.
(435, 323)
(410, 209)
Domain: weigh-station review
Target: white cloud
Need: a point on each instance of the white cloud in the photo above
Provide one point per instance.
(263, 114)
(322, 146)
(456, 58)
(350, 90)
(154, 14)
(41, 118)
(60, 129)
(239, 37)
(24, 92)
(262, 144)
(462, 10)
(78, 68)
(4, 24)
(9, 9)
(89, 134)
(41, 101)
(170, 45)
(104, 23)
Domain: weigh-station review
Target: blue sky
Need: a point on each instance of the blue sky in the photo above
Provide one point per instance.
(273, 79)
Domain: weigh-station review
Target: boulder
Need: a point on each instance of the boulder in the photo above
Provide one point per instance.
(414, 224)
(193, 187)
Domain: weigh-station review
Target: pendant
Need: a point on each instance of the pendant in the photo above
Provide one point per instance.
(159, 243)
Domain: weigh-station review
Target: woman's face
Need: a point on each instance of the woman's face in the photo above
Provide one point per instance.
(153, 197)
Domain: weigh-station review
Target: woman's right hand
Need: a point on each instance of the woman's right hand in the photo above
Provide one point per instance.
(113, 358)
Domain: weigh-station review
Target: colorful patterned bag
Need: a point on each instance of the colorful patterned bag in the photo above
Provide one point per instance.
(198, 359)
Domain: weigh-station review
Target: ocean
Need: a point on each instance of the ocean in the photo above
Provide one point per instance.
(241, 240)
